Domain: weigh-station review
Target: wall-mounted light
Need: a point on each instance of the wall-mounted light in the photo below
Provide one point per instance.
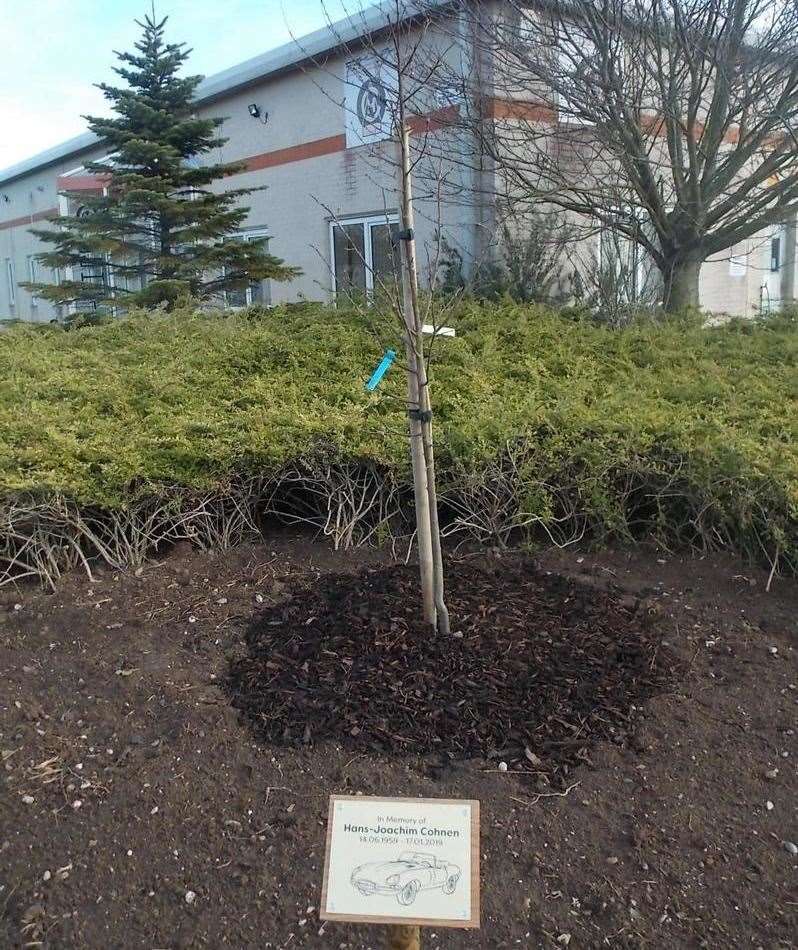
(257, 113)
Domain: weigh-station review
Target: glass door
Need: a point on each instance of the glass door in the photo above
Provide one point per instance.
(365, 255)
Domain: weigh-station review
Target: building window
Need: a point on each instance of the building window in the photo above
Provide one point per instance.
(575, 58)
(624, 266)
(58, 277)
(126, 274)
(738, 264)
(621, 263)
(775, 254)
(259, 291)
(365, 254)
(33, 277)
(93, 272)
(12, 293)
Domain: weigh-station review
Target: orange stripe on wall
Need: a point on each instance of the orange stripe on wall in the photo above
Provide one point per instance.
(29, 219)
(437, 119)
(296, 153)
(281, 156)
(654, 124)
(432, 121)
(519, 109)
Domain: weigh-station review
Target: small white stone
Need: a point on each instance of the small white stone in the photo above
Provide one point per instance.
(790, 847)
(154, 810)
(77, 804)
(769, 805)
(28, 799)
(46, 876)
(190, 897)
(502, 766)
(774, 650)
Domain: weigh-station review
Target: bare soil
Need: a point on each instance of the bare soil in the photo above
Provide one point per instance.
(139, 808)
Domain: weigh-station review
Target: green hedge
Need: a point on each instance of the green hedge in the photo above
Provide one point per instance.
(685, 432)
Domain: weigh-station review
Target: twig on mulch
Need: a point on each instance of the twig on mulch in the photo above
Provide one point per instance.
(537, 798)
(773, 567)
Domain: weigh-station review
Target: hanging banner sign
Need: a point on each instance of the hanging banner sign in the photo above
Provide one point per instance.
(402, 860)
(371, 90)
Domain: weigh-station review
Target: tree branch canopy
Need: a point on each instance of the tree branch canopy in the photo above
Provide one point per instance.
(677, 115)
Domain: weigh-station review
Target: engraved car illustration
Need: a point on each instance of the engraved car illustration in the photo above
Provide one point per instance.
(410, 873)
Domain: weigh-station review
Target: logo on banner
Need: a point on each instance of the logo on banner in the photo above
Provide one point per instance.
(372, 102)
(369, 94)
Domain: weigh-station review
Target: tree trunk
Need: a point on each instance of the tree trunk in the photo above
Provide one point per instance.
(442, 611)
(413, 315)
(421, 490)
(681, 284)
(419, 399)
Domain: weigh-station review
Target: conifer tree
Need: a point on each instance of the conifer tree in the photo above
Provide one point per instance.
(159, 232)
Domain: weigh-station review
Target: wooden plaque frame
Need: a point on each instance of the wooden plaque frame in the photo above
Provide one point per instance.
(472, 922)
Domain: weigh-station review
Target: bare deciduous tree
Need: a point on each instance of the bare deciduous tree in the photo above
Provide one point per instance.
(389, 70)
(671, 122)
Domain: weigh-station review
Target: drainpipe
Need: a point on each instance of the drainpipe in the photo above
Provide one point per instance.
(69, 272)
(477, 89)
(790, 265)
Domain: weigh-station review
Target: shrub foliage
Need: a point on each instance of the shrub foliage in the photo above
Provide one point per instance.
(119, 437)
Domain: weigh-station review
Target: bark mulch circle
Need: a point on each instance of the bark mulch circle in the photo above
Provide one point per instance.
(538, 667)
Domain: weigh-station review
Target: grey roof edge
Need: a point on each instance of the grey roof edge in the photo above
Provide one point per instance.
(50, 156)
(283, 58)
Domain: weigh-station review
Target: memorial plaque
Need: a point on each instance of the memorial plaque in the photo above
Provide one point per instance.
(402, 860)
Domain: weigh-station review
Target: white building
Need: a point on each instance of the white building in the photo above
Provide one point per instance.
(292, 118)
